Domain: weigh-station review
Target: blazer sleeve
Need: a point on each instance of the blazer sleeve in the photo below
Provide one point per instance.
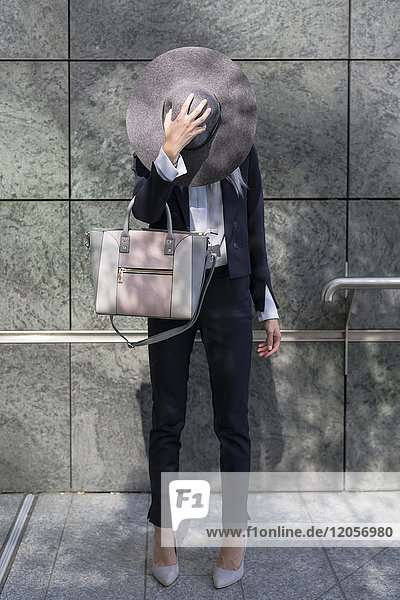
(151, 192)
(260, 274)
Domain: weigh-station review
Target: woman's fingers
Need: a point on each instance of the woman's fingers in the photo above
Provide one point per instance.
(198, 110)
(186, 104)
(264, 352)
(185, 127)
(185, 107)
(203, 116)
(168, 117)
(263, 347)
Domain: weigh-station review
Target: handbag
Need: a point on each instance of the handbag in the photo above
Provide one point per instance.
(150, 273)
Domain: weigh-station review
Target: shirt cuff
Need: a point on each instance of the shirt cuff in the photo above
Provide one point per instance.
(270, 311)
(166, 169)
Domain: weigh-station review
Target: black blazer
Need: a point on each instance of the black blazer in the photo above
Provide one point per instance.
(243, 219)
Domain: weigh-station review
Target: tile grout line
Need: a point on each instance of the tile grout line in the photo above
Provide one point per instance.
(323, 595)
(326, 556)
(69, 102)
(58, 548)
(347, 225)
(360, 567)
(254, 59)
(338, 581)
(69, 243)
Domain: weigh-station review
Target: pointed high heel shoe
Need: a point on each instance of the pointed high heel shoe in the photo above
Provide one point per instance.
(224, 577)
(168, 573)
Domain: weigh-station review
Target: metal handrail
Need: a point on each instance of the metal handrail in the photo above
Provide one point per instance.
(353, 284)
(358, 283)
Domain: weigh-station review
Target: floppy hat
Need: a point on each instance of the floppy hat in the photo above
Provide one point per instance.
(231, 125)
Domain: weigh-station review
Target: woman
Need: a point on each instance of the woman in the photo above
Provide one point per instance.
(225, 323)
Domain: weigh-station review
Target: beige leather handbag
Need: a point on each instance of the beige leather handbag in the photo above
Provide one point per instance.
(150, 273)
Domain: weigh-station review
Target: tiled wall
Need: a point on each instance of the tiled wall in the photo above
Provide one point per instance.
(326, 75)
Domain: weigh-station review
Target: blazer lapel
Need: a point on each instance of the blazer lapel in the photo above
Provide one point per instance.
(229, 200)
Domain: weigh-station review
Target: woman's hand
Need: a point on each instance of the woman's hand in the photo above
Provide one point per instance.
(272, 340)
(180, 132)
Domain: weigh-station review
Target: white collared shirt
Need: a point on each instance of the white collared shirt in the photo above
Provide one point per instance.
(206, 211)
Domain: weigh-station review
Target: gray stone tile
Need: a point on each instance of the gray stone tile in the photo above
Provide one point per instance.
(306, 247)
(110, 548)
(34, 29)
(86, 215)
(384, 563)
(100, 552)
(311, 29)
(301, 127)
(290, 573)
(335, 593)
(91, 585)
(9, 506)
(35, 417)
(285, 425)
(35, 285)
(391, 500)
(375, 29)
(110, 507)
(347, 560)
(31, 570)
(346, 506)
(51, 506)
(371, 587)
(372, 414)
(374, 251)
(190, 586)
(100, 148)
(102, 548)
(374, 129)
(34, 105)
(111, 413)
(276, 507)
(292, 429)
(374, 562)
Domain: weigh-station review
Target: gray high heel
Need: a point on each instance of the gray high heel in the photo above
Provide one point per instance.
(224, 577)
(168, 573)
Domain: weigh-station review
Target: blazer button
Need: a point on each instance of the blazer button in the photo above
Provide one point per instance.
(174, 213)
(235, 223)
(235, 245)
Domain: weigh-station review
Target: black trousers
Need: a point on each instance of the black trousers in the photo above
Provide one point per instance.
(225, 324)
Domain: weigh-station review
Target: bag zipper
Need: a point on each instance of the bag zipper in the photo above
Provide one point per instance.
(122, 270)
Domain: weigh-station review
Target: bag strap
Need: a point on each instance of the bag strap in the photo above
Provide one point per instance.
(163, 335)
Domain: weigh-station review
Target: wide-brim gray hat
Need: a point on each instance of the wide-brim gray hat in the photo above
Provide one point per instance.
(231, 125)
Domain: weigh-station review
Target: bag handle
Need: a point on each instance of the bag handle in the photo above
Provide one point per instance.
(163, 335)
(124, 240)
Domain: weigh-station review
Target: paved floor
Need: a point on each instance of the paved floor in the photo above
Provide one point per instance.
(98, 546)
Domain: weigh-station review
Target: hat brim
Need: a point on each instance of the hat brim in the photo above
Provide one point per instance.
(235, 135)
